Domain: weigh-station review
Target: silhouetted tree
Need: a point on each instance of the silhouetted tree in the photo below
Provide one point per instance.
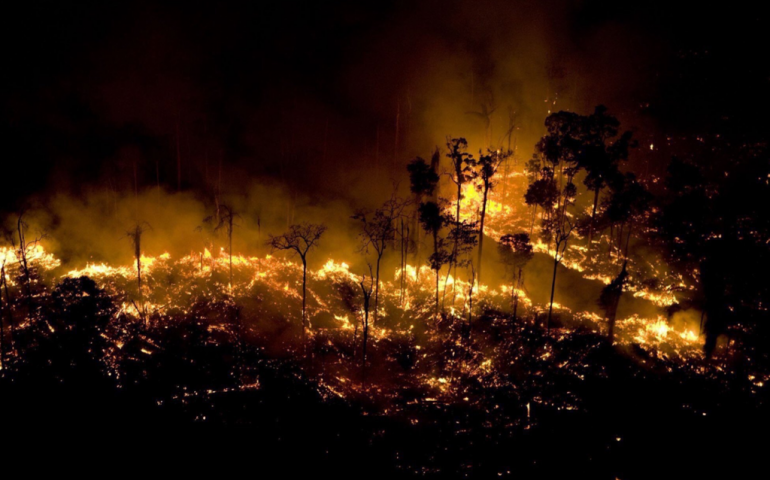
(462, 173)
(713, 223)
(609, 299)
(515, 252)
(542, 192)
(562, 234)
(378, 230)
(488, 165)
(299, 240)
(433, 221)
(423, 180)
(464, 237)
(600, 153)
(135, 234)
(405, 247)
(628, 205)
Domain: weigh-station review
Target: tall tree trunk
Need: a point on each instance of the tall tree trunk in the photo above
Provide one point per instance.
(534, 217)
(377, 289)
(2, 327)
(628, 240)
(455, 246)
(304, 296)
(470, 301)
(435, 250)
(138, 257)
(516, 296)
(481, 226)
(11, 327)
(437, 277)
(553, 288)
(403, 265)
(365, 335)
(23, 258)
(593, 218)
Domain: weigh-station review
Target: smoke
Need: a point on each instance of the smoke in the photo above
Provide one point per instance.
(292, 113)
(318, 98)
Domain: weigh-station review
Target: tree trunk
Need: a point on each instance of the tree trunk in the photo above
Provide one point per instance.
(25, 267)
(377, 289)
(365, 335)
(628, 240)
(553, 287)
(470, 306)
(593, 217)
(516, 296)
(437, 277)
(481, 226)
(11, 328)
(534, 217)
(304, 296)
(139, 273)
(403, 263)
(438, 270)
(2, 328)
(446, 285)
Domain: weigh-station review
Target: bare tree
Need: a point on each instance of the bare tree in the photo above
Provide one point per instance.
(378, 230)
(299, 240)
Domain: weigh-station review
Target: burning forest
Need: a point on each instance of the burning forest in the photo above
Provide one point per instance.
(392, 241)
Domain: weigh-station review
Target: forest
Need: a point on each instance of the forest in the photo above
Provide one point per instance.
(364, 249)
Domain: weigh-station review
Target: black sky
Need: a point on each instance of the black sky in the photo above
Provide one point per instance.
(306, 92)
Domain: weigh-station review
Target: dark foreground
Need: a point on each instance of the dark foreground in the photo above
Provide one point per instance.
(630, 427)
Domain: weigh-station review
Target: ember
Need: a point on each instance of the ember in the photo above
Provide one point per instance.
(510, 240)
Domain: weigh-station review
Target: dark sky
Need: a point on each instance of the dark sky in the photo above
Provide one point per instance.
(308, 93)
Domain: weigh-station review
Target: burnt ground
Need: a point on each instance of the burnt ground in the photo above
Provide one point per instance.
(632, 425)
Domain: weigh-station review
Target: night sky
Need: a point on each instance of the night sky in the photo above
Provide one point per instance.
(308, 92)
